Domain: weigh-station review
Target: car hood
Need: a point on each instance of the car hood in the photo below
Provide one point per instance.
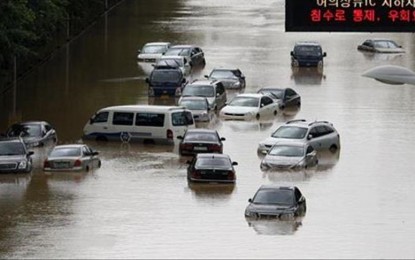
(149, 55)
(239, 109)
(282, 160)
(8, 158)
(199, 112)
(269, 208)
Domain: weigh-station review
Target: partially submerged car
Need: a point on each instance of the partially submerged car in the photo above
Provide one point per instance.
(248, 106)
(14, 156)
(380, 46)
(166, 82)
(174, 62)
(285, 97)
(72, 157)
(289, 156)
(199, 106)
(34, 133)
(231, 78)
(213, 90)
(211, 167)
(307, 54)
(193, 54)
(278, 202)
(152, 51)
(199, 140)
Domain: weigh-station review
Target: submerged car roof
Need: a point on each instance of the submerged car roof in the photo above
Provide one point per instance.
(212, 155)
(308, 43)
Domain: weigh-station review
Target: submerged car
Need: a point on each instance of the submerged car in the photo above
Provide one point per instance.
(307, 54)
(285, 97)
(231, 78)
(213, 90)
(14, 156)
(321, 135)
(166, 82)
(193, 54)
(152, 51)
(34, 133)
(174, 62)
(289, 155)
(199, 106)
(380, 46)
(211, 167)
(72, 157)
(248, 106)
(280, 202)
(200, 140)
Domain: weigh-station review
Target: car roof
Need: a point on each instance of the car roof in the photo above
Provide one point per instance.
(306, 123)
(69, 146)
(271, 88)
(157, 43)
(193, 98)
(201, 130)
(212, 155)
(274, 187)
(182, 46)
(225, 69)
(308, 43)
(256, 95)
(149, 108)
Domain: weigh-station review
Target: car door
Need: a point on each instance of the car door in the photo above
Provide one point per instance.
(313, 138)
(267, 106)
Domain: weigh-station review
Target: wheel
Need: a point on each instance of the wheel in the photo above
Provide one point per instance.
(333, 148)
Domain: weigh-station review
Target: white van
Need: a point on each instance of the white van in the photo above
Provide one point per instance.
(139, 123)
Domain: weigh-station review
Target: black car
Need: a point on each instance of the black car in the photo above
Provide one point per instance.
(281, 202)
(197, 140)
(165, 81)
(307, 54)
(211, 167)
(231, 78)
(14, 156)
(34, 133)
(193, 54)
(285, 97)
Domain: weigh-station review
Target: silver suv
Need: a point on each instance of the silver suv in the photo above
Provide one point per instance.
(319, 134)
(213, 90)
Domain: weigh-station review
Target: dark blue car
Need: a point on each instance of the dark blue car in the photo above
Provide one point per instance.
(167, 81)
(307, 54)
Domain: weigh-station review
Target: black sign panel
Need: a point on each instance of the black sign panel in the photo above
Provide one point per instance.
(350, 15)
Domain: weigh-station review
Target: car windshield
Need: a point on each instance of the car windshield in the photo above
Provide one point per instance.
(274, 93)
(12, 148)
(308, 50)
(287, 150)
(290, 132)
(245, 102)
(194, 104)
(153, 49)
(66, 152)
(199, 90)
(222, 74)
(385, 44)
(213, 162)
(178, 51)
(170, 62)
(165, 76)
(26, 130)
(274, 196)
(200, 136)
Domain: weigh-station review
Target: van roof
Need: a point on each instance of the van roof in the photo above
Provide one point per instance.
(134, 108)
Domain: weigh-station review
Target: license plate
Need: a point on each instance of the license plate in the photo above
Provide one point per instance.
(200, 148)
(61, 165)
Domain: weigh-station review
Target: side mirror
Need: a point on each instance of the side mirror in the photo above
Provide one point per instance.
(292, 53)
(95, 153)
(234, 163)
(324, 54)
(223, 139)
(309, 137)
(30, 153)
(217, 94)
(147, 80)
(206, 76)
(262, 105)
(250, 200)
(183, 80)
(180, 137)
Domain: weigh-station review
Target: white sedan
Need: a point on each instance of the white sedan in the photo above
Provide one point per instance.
(248, 106)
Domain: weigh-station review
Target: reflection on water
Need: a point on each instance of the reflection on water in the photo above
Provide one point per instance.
(382, 56)
(211, 190)
(272, 227)
(308, 75)
(248, 126)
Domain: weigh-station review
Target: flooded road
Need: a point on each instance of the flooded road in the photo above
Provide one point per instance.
(139, 203)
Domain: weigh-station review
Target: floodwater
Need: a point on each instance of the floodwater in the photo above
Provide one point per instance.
(139, 203)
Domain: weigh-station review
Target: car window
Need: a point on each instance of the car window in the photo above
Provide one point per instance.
(310, 149)
(287, 150)
(25, 130)
(266, 101)
(149, 119)
(123, 118)
(314, 132)
(290, 93)
(165, 76)
(322, 130)
(245, 101)
(220, 88)
(67, 151)
(199, 90)
(85, 150)
(100, 118)
(208, 162)
(182, 118)
(297, 194)
(48, 127)
(12, 148)
(274, 196)
(199, 136)
(194, 104)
